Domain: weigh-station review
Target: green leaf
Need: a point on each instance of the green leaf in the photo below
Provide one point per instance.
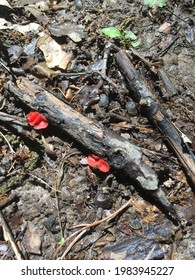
(61, 241)
(135, 44)
(155, 3)
(111, 32)
(130, 35)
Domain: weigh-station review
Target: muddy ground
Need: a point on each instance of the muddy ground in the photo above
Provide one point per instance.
(44, 173)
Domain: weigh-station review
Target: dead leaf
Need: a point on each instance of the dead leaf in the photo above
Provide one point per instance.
(165, 28)
(5, 3)
(32, 240)
(73, 31)
(42, 70)
(31, 27)
(185, 138)
(54, 55)
(73, 160)
(39, 10)
(49, 148)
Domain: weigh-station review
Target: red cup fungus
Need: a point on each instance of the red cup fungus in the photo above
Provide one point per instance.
(92, 160)
(103, 166)
(97, 162)
(37, 120)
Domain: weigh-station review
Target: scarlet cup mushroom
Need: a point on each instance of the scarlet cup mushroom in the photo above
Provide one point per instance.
(103, 166)
(92, 160)
(96, 162)
(37, 120)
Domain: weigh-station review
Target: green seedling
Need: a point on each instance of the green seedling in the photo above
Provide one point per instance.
(155, 3)
(61, 241)
(125, 37)
(112, 32)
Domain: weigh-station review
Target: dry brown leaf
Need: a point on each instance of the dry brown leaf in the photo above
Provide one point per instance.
(73, 31)
(42, 70)
(54, 55)
(32, 240)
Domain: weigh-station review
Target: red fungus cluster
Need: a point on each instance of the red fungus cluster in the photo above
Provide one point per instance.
(37, 120)
(97, 162)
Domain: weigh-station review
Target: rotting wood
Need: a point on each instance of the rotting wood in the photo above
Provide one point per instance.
(123, 156)
(151, 109)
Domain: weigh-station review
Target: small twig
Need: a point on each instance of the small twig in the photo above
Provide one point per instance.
(165, 50)
(58, 182)
(10, 237)
(78, 91)
(111, 216)
(8, 69)
(167, 82)
(73, 243)
(86, 227)
(150, 253)
(67, 239)
(41, 180)
(105, 59)
(124, 125)
(107, 79)
(7, 118)
(9, 145)
(11, 167)
(149, 63)
(58, 213)
(61, 171)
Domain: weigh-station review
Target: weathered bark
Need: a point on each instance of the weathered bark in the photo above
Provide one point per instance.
(151, 109)
(121, 154)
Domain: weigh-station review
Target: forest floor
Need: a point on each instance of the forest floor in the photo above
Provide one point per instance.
(46, 184)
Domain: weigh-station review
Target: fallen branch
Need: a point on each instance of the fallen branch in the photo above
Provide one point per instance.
(123, 156)
(151, 109)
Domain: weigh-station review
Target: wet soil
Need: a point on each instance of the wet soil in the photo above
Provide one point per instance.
(46, 171)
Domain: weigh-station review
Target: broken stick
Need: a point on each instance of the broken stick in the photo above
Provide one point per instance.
(151, 109)
(123, 156)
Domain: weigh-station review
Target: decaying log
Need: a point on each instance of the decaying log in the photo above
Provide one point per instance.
(151, 109)
(123, 156)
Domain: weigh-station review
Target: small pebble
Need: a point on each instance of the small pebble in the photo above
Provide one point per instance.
(135, 224)
(78, 4)
(2, 171)
(5, 160)
(104, 201)
(104, 100)
(3, 248)
(131, 108)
